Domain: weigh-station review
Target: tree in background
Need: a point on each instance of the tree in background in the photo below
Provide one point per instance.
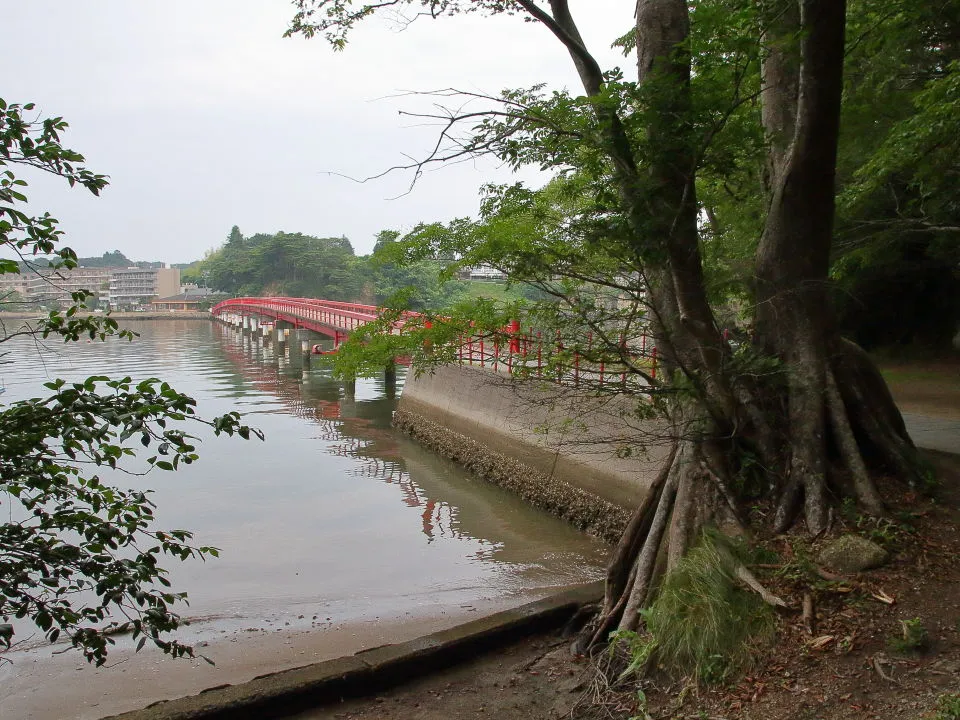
(290, 264)
(418, 283)
(79, 557)
(793, 420)
(898, 248)
(108, 259)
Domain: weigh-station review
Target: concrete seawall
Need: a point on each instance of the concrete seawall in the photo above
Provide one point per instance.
(587, 459)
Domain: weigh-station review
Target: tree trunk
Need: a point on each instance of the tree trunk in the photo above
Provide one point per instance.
(823, 380)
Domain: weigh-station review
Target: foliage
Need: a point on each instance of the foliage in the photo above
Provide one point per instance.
(108, 259)
(948, 707)
(299, 265)
(702, 623)
(418, 284)
(79, 557)
(913, 637)
(897, 256)
(82, 557)
(14, 301)
(35, 144)
(291, 264)
(898, 219)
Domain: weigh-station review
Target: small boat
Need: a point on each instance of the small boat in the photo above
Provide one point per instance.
(318, 350)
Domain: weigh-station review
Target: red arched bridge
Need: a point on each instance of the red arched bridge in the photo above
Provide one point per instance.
(328, 317)
(505, 352)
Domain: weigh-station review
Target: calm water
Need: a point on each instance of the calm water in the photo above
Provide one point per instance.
(335, 517)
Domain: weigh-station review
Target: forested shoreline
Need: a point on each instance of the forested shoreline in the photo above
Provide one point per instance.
(299, 265)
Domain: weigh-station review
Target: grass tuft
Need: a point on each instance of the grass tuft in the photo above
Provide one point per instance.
(703, 624)
(913, 637)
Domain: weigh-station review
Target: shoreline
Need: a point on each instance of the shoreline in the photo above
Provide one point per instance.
(146, 315)
(42, 685)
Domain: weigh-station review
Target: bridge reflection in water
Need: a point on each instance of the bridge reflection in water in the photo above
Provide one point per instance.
(358, 427)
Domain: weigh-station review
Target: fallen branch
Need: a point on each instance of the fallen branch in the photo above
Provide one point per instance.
(878, 666)
(750, 580)
(809, 615)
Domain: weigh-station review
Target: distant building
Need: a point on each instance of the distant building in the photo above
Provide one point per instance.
(136, 287)
(42, 285)
(121, 288)
(482, 272)
(13, 283)
(56, 287)
(192, 298)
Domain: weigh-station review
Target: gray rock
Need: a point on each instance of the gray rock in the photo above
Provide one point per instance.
(852, 554)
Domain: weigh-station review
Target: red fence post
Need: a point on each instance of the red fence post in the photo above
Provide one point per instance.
(623, 352)
(539, 354)
(514, 336)
(559, 360)
(653, 369)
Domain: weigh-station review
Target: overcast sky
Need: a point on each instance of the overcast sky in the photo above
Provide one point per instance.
(204, 117)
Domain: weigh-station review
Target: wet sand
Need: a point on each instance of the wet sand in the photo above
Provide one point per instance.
(40, 685)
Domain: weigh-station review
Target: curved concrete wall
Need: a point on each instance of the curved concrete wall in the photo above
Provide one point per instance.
(596, 444)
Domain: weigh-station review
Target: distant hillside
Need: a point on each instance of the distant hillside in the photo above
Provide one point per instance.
(116, 259)
(108, 259)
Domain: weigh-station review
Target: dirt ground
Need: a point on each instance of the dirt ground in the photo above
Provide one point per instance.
(849, 667)
(930, 388)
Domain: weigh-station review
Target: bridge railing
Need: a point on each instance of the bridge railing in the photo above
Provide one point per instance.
(339, 315)
(529, 354)
(511, 351)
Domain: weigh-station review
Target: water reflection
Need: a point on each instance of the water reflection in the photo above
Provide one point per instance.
(335, 513)
(354, 429)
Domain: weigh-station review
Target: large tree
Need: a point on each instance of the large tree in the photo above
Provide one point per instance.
(817, 424)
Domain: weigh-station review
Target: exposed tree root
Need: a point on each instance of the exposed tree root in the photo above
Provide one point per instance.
(832, 442)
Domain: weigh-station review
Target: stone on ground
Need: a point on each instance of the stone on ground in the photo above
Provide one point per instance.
(852, 554)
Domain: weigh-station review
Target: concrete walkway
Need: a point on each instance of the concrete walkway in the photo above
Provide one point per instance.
(934, 433)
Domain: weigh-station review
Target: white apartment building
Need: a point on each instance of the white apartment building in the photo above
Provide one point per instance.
(134, 287)
(44, 286)
(482, 272)
(11, 283)
(120, 287)
(55, 287)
